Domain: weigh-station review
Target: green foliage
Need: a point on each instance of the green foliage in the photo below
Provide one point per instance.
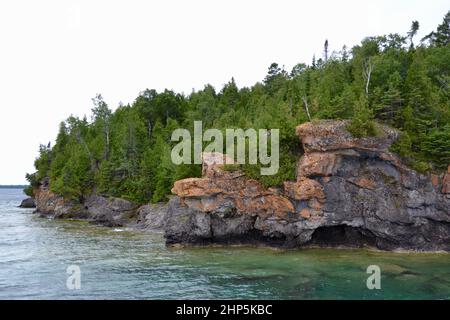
(441, 37)
(419, 165)
(286, 171)
(362, 123)
(184, 171)
(388, 79)
(403, 146)
(29, 191)
(42, 164)
(231, 167)
(436, 146)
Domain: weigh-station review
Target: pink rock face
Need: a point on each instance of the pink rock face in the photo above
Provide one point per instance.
(195, 187)
(230, 192)
(305, 213)
(316, 164)
(434, 179)
(304, 189)
(47, 201)
(446, 182)
(219, 191)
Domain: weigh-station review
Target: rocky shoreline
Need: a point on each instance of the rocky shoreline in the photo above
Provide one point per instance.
(349, 192)
(101, 210)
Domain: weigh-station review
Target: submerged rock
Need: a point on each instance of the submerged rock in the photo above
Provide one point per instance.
(349, 191)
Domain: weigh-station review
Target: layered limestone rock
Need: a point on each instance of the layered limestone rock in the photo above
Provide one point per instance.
(231, 192)
(349, 191)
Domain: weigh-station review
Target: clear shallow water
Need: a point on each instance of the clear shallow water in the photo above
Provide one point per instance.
(118, 264)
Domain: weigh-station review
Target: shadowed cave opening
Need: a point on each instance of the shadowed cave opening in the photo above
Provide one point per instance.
(342, 235)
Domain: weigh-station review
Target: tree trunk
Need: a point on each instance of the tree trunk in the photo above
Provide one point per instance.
(305, 102)
(367, 73)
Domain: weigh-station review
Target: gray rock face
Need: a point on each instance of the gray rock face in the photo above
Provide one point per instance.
(28, 203)
(110, 212)
(187, 224)
(369, 199)
(151, 216)
(389, 214)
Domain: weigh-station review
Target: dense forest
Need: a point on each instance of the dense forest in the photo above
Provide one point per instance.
(393, 79)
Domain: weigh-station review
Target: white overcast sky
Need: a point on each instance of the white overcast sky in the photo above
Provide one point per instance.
(56, 55)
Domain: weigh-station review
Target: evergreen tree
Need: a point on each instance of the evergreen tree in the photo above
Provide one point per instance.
(441, 37)
(412, 32)
(362, 123)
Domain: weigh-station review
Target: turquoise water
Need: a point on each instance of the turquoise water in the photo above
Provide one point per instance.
(119, 264)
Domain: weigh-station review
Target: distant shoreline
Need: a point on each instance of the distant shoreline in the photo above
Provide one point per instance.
(14, 186)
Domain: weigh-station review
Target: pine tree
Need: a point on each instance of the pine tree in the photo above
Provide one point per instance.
(362, 123)
(440, 37)
(412, 32)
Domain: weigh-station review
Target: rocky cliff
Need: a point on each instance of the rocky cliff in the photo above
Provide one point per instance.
(349, 191)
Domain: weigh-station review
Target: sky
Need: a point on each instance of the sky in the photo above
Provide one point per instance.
(57, 55)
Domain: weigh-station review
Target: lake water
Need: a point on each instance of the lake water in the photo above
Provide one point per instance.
(120, 264)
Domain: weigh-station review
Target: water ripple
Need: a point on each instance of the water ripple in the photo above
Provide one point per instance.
(119, 264)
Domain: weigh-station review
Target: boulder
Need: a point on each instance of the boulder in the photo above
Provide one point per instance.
(28, 203)
(110, 211)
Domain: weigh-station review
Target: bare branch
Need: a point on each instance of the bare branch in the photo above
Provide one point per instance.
(305, 103)
(368, 66)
